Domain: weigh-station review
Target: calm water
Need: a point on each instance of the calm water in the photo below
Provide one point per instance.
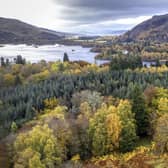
(35, 54)
(47, 52)
(149, 63)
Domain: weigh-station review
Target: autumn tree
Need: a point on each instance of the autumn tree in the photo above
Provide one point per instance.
(161, 134)
(128, 135)
(9, 79)
(50, 103)
(93, 98)
(56, 120)
(104, 129)
(157, 105)
(80, 141)
(82, 124)
(162, 106)
(37, 147)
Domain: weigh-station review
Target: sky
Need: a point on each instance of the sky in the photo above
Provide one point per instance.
(83, 16)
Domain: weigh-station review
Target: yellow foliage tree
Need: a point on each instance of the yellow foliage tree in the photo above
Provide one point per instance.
(38, 146)
(104, 129)
(161, 134)
(9, 79)
(163, 106)
(128, 135)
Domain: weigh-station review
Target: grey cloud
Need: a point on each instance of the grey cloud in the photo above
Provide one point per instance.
(92, 11)
(112, 4)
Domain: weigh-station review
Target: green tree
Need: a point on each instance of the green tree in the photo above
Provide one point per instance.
(2, 62)
(66, 58)
(139, 108)
(14, 127)
(18, 80)
(82, 125)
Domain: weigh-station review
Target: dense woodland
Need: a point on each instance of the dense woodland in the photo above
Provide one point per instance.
(75, 114)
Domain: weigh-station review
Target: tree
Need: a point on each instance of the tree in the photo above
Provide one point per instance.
(161, 134)
(104, 130)
(1, 104)
(113, 125)
(93, 98)
(139, 108)
(35, 162)
(121, 62)
(167, 63)
(79, 143)
(20, 60)
(128, 135)
(41, 145)
(157, 105)
(62, 86)
(163, 106)
(82, 125)
(149, 93)
(18, 80)
(56, 120)
(9, 79)
(157, 63)
(2, 61)
(50, 103)
(66, 58)
(14, 127)
(29, 158)
(7, 62)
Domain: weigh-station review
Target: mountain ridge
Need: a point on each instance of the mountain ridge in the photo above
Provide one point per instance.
(154, 29)
(13, 31)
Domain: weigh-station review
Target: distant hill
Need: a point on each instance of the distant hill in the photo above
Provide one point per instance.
(154, 29)
(17, 32)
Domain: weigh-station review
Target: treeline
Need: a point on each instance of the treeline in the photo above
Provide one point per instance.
(20, 74)
(18, 60)
(148, 51)
(125, 62)
(22, 103)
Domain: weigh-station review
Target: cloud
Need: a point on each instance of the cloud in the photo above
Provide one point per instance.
(83, 15)
(112, 4)
(89, 11)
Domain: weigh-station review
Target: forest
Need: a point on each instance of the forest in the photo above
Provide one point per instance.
(76, 114)
(147, 50)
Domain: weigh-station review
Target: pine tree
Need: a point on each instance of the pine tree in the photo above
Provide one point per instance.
(66, 58)
(139, 108)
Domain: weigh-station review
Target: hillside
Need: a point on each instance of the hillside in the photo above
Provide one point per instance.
(17, 32)
(154, 29)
